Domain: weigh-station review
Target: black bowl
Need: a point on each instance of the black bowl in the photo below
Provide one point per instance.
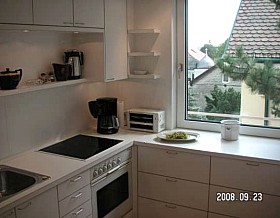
(9, 81)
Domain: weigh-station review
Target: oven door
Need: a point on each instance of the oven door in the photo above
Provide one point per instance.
(112, 194)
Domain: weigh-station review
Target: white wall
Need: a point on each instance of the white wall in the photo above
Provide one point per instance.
(34, 119)
(155, 94)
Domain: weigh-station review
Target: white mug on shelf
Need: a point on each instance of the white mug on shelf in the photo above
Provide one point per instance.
(230, 129)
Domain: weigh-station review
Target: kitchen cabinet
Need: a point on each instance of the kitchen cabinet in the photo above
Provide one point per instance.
(115, 40)
(9, 214)
(16, 12)
(53, 12)
(151, 208)
(178, 178)
(74, 196)
(244, 188)
(87, 13)
(44, 205)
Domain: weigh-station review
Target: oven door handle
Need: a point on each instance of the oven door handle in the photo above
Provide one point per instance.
(108, 173)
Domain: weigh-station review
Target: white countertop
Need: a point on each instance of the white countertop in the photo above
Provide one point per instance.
(61, 168)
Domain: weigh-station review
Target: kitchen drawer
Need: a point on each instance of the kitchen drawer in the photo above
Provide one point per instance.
(176, 191)
(8, 214)
(149, 209)
(71, 185)
(82, 211)
(174, 164)
(269, 207)
(246, 175)
(73, 201)
(214, 215)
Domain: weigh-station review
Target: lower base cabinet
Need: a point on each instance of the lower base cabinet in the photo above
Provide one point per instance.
(44, 205)
(267, 206)
(8, 214)
(152, 209)
(214, 215)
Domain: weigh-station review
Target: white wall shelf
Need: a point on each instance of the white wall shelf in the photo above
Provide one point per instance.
(144, 31)
(25, 89)
(146, 76)
(144, 54)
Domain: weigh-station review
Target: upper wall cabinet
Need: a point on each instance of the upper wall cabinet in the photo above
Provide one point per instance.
(53, 12)
(16, 12)
(89, 13)
(86, 13)
(115, 40)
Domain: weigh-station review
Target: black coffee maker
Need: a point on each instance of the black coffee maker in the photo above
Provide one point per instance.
(105, 110)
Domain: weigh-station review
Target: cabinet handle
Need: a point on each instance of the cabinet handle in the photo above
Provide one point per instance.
(78, 195)
(171, 180)
(80, 23)
(24, 207)
(65, 22)
(170, 206)
(76, 179)
(172, 152)
(78, 212)
(253, 164)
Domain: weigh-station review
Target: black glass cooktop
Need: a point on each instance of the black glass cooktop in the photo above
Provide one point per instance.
(81, 146)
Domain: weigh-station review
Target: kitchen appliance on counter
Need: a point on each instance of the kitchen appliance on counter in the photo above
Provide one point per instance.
(147, 120)
(10, 79)
(76, 59)
(81, 146)
(105, 110)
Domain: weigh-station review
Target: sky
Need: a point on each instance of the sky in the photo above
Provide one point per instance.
(210, 21)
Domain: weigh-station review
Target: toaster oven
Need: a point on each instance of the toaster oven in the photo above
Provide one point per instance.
(146, 120)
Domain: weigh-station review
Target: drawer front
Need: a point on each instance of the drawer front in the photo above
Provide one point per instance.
(149, 208)
(71, 185)
(246, 175)
(269, 207)
(82, 211)
(214, 215)
(174, 164)
(8, 214)
(74, 200)
(176, 191)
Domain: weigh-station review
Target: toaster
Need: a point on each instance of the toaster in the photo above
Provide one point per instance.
(147, 120)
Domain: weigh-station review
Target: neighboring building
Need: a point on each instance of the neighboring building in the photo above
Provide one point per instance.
(256, 30)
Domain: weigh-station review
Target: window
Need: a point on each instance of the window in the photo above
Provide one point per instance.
(207, 93)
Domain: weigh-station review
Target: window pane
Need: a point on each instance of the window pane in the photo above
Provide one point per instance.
(215, 29)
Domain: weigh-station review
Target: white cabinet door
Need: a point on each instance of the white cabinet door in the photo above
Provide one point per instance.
(15, 11)
(53, 12)
(148, 208)
(176, 191)
(89, 13)
(268, 206)
(246, 175)
(44, 205)
(176, 164)
(8, 214)
(115, 40)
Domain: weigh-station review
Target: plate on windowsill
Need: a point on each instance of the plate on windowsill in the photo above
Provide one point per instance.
(192, 136)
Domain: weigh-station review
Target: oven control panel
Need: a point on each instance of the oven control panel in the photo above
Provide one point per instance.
(110, 164)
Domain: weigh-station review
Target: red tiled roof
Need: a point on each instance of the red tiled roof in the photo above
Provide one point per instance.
(256, 29)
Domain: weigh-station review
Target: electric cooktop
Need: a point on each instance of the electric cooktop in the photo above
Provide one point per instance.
(81, 146)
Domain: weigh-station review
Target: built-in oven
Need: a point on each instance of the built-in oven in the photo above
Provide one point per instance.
(111, 186)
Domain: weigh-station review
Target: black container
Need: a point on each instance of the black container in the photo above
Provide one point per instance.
(105, 110)
(62, 71)
(10, 79)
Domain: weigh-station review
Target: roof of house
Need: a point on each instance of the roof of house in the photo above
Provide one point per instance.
(256, 29)
(196, 54)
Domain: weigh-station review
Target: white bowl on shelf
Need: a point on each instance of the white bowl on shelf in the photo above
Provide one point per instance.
(140, 72)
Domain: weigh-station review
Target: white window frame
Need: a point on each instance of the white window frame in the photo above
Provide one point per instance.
(181, 88)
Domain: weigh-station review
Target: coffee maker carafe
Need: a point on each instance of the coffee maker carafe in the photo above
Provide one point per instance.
(76, 59)
(105, 110)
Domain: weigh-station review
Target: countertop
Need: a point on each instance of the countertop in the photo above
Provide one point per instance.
(61, 168)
